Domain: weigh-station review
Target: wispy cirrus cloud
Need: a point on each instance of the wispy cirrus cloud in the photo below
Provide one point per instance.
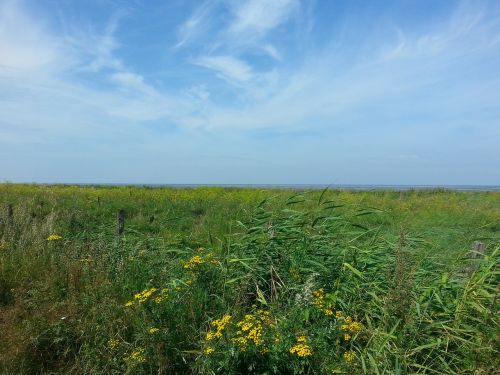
(235, 22)
(227, 67)
(258, 17)
(196, 23)
(245, 26)
(42, 70)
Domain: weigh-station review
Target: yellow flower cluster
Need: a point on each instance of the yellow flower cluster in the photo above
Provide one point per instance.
(319, 301)
(250, 330)
(113, 344)
(54, 237)
(301, 348)
(349, 357)
(351, 327)
(219, 325)
(144, 295)
(162, 296)
(136, 357)
(153, 330)
(148, 293)
(209, 350)
(86, 260)
(198, 260)
(194, 262)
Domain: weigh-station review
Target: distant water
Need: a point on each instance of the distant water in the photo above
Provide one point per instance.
(316, 186)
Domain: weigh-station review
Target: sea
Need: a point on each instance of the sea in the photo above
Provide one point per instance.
(478, 188)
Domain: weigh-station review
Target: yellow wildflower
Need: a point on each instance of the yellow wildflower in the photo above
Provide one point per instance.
(211, 258)
(144, 295)
(153, 330)
(349, 357)
(54, 237)
(113, 344)
(318, 300)
(242, 342)
(193, 262)
(255, 334)
(351, 327)
(328, 311)
(219, 325)
(209, 350)
(356, 327)
(301, 348)
(129, 304)
(347, 336)
(136, 357)
(162, 296)
(251, 328)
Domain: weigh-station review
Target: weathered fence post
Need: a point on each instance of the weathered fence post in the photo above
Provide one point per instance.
(478, 250)
(476, 254)
(9, 212)
(98, 200)
(120, 222)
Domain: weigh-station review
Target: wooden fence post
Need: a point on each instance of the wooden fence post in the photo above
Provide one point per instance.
(9, 212)
(120, 221)
(478, 250)
(476, 254)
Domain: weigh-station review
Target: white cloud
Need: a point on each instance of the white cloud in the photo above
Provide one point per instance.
(193, 26)
(237, 29)
(325, 90)
(95, 49)
(132, 81)
(228, 67)
(272, 51)
(24, 43)
(261, 16)
(42, 94)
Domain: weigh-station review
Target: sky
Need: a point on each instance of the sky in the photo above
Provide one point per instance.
(250, 92)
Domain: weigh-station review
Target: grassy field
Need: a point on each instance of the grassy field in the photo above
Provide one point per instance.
(240, 281)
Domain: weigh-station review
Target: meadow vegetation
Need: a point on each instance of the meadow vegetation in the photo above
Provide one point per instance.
(247, 281)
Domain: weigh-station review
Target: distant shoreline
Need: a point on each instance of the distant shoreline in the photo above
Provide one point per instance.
(353, 187)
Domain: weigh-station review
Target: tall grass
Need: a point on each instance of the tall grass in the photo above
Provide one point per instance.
(236, 281)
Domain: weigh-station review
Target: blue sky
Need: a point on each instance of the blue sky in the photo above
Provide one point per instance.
(257, 91)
